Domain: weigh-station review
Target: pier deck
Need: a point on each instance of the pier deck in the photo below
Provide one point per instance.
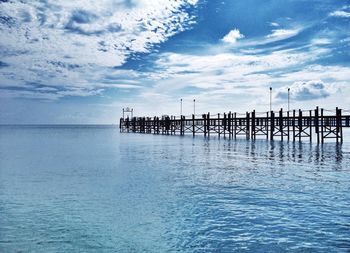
(284, 125)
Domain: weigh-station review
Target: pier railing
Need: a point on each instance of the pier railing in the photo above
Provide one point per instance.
(294, 125)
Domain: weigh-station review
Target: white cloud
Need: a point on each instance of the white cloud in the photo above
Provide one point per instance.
(233, 36)
(341, 14)
(71, 43)
(274, 24)
(309, 90)
(321, 41)
(280, 34)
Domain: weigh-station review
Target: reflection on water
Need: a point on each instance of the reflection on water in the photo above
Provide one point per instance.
(93, 189)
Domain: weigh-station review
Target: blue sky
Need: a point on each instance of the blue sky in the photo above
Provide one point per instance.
(83, 61)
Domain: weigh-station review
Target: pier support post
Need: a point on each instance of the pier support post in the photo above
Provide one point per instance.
(193, 126)
(294, 125)
(204, 125)
(229, 125)
(310, 125)
(280, 122)
(208, 124)
(272, 126)
(218, 125)
(247, 125)
(267, 122)
(316, 123)
(183, 125)
(339, 127)
(322, 126)
(224, 124)
(288, 126)
(300, 123)
(235, 124)
(253, 126)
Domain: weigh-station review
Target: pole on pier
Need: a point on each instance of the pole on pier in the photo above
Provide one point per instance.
(180, 107)
(194, 106)
(270, 99)
(288, 98)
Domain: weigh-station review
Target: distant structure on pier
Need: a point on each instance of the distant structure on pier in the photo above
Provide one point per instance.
(128, 111)
(285, 125)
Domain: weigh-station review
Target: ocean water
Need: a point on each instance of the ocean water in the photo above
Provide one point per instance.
(93, 189)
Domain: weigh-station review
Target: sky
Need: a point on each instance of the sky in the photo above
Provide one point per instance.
(81, 62)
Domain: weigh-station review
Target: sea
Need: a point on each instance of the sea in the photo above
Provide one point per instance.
(90, 188)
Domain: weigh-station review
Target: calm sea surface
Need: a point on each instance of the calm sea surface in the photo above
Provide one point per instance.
(92, 189)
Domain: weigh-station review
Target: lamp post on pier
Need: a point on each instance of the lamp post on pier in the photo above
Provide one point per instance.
(288, 98)
(194, 107)
(270, 99)
(181, 107)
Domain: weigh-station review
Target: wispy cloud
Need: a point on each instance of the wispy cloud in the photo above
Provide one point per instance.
(340, 13)
(235, 73)
(274, 24)
(281, 34)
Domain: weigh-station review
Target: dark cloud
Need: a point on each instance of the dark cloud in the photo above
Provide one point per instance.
(8, 21)
(3, 64)
(65, 65)
(114, 28)
(82, 17)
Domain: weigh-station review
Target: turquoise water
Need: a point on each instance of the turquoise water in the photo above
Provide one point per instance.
(92, 189)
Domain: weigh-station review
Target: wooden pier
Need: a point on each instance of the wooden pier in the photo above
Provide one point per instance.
(295, 125)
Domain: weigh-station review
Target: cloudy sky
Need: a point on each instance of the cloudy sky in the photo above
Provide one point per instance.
(82, 61)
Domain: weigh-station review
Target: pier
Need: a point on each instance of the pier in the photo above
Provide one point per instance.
(294, 125)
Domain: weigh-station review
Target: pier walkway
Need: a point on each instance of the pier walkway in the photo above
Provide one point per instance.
(295, 125)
